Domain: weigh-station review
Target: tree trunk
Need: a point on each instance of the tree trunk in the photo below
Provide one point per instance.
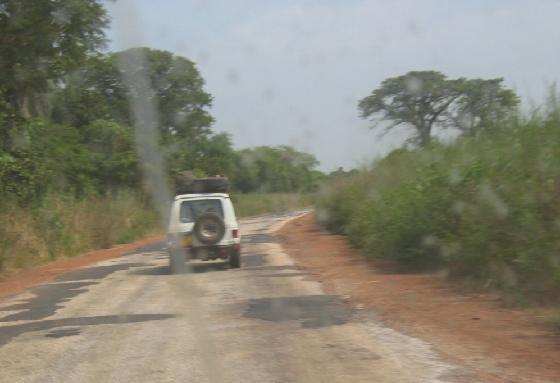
(24, 106)
(425, 135)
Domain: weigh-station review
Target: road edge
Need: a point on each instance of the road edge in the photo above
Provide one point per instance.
(21, 281)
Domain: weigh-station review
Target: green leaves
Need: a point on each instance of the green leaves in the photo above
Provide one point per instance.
(97, 92)
(426, 100)
(65, 121)
(275, 169)
(484, 208)
(112, 155)
(483, 105)
(182, 102)
(40, 42)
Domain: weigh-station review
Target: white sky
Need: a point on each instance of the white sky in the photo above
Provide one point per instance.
(292, 72)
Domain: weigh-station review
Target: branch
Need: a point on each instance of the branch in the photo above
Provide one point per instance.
(442, 109)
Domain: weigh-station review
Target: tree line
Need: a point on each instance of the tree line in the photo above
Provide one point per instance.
(65, 121)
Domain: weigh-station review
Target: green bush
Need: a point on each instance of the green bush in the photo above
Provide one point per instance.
(486, 209)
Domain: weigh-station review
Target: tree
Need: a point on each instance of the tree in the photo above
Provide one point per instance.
(184, 121)
(97, 92)
(427, 99)
(40, 42)
(418, 99)
(218, 155)
(65, 119)
(112, 155)
(275, 169)
(485, 103)
(206, 156)
(179, 89)
(94, 91)
(45, 157)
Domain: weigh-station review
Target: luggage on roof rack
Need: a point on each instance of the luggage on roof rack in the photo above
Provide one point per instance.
(186, 183)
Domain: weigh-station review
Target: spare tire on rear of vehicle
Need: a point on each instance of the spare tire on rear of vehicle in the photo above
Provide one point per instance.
(209, 229)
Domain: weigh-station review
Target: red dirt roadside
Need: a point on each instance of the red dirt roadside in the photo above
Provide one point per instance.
(497, 343)
(16, 283)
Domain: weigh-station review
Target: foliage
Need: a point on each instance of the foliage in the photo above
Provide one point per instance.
(275, 169)
(42, 41)
(111, 155)
(485, 209)
(485, 104)
(253, 204)
(83, 141)
(97, 92)
(43, 155)
(181, 100)
(93, 91)
(427, 99)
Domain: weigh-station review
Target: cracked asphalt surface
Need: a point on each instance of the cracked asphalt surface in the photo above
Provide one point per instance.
(129, 320)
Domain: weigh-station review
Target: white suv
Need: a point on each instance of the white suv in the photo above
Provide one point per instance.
(203, 226)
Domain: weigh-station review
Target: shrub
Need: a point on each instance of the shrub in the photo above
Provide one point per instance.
(486, 209)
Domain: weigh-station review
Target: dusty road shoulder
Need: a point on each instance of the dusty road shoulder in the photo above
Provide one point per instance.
(16, 283)
(499, 343)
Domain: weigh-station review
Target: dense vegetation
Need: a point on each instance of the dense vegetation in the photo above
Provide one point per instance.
(86, 143)
(70, 168)
(485, 208)
(280, 169)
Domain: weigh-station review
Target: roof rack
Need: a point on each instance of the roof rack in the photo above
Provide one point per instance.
(186, 183)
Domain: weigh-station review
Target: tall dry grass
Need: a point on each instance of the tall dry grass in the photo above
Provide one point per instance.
(62, 227)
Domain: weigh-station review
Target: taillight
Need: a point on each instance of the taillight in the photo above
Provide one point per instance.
(235, 233)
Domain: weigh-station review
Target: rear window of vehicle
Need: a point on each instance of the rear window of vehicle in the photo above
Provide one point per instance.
(191, 210)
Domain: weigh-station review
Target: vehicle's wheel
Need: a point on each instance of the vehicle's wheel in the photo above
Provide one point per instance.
(235, 260)
(177, 261)
(209, 228)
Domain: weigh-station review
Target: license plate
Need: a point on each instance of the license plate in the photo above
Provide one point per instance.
(187, 240)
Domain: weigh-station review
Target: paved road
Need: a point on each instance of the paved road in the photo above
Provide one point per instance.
(128, 320)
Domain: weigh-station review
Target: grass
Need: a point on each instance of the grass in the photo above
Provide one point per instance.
(252, 204)
(62, 227)
(484, 209)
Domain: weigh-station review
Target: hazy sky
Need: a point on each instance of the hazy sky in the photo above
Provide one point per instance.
(291, 72)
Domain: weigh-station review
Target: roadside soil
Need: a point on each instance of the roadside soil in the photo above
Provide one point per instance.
(15, 283)
(478, 331)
